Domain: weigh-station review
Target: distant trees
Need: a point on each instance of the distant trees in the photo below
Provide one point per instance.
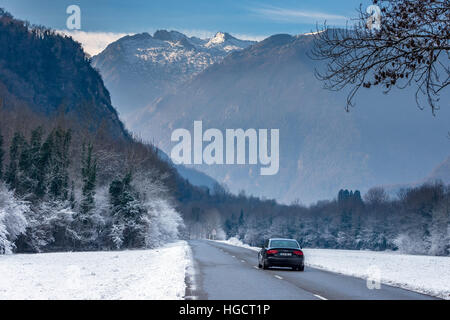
(417, 221)
(439, 229)
(376, 196)
(408, 44)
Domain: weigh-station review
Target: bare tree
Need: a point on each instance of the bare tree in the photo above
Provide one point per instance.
(407, 45)
(376, 196)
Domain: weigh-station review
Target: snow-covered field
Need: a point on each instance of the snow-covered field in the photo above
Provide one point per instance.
(425, 274)
(134, 274)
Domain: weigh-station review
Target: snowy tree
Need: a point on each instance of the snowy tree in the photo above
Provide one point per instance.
(49, 228)
(85, 221)
(12, 219)
(439, 229)
(162, 222)
(128, 214)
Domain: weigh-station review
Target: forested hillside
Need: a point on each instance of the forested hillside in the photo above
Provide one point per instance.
(51, 74)
(71, 177)
(385, 140)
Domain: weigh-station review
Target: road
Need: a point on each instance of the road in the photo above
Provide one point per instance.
(229, 272)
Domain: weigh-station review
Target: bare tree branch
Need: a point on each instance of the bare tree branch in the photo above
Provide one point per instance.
(410, 47)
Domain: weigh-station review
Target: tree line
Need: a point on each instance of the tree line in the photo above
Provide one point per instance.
(51, 198)
(72, 177)
(416, 220)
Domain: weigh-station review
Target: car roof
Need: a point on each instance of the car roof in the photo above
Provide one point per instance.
(282, 239)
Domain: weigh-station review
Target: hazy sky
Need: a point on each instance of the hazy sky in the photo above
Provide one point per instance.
(103, 21)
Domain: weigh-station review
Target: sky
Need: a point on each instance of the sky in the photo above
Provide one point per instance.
(104, 21)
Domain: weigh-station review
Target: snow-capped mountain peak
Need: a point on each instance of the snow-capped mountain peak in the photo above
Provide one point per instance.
(219, 38)
(160, 61)
(226, 42)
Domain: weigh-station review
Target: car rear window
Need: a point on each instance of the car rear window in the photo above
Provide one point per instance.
(284, 244)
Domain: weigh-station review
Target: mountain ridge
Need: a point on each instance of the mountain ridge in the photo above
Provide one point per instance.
(141, 68)
(323, 148)
(46, 84)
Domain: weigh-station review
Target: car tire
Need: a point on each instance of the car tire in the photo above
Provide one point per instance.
(259, 265)
(265, 265)
(301, 268)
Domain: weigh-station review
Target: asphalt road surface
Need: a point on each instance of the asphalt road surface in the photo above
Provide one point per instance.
(228, 272)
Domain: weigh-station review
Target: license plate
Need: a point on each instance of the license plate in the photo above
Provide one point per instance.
(285, 254)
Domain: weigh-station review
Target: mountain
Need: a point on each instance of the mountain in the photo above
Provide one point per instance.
(195, 177)
(385, 140)
(51, 75)
(139, 69)
(58, 82)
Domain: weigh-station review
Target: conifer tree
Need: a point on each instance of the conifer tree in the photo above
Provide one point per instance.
(72, 196)
(38, 167)
(30, 168)
(59, 164)
(84, 222)
(127, 212)
(89, 174)
(11, 174)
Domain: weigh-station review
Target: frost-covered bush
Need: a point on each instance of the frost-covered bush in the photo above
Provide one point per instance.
(12, 219)
(50, 227)
(439, 232)
(163, 222)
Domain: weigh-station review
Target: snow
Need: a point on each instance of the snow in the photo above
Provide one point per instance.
(425, 274)
(238, 243)
(217, 39)
(187, 55)
(12, 219)
(135, 274)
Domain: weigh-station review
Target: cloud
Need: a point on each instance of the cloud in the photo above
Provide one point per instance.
(298, 16)
(93, 42)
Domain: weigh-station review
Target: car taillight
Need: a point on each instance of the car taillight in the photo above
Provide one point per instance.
(272, 251)
(298, 252)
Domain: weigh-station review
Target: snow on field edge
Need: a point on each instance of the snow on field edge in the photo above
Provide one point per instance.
(424, 274)
(157, 274)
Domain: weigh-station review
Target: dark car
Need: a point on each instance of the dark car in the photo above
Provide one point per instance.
(281, 253)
